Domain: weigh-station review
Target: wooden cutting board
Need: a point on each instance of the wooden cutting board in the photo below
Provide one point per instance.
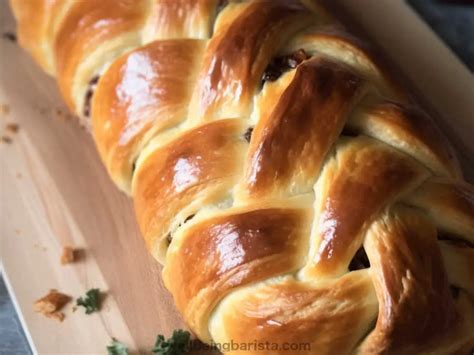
(54, 191)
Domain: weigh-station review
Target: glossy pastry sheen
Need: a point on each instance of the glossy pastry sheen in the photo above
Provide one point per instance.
(289, 187)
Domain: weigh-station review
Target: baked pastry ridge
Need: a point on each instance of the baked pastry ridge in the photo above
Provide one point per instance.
(289, 186)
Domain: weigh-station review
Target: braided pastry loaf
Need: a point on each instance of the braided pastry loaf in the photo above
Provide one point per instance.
(288, 186)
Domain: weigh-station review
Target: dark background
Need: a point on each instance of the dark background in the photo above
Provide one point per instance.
(452, 20)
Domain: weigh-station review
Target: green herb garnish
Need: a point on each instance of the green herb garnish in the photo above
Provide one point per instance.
(91, 301)
(117, 348)
(177, 344)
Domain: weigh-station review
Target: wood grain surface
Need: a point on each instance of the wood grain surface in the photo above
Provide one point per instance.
(54, 191)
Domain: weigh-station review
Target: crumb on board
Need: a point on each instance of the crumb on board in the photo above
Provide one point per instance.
(51, 304)
(12, 127)
(10, 36)
(62, 114)
(56, 112)
(59, 113)
(6, 139)
(67, 255)
(4, 109)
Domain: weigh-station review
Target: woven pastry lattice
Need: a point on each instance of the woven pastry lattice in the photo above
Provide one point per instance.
(289, 187)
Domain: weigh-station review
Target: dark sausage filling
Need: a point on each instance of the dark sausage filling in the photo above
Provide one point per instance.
(10, 36)
(169, 237)
(88, 97)
(359, 261)
(455, 240)
(248, 134)
(455, 291)
(279, 65)
(348, 132)
(221, 5)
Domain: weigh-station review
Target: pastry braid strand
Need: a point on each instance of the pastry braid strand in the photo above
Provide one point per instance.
(290, 188)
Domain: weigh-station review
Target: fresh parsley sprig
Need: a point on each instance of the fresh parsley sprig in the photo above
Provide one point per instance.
(177, 344)
(117, 348)
(91, 302)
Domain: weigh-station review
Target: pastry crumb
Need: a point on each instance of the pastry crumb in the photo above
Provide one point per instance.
(12, 127)
(51, 304)
(6, 139)
(67, 255)
(9, 36)
(61, 114)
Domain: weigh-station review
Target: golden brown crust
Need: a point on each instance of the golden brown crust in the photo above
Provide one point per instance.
(172, 19)
(408, 323)
(141, 94)
(88, 27)
(363, 177)
(449, 204)
(408, 129)
(37, 25)
(319, 318)
(238, 53)
(270, 156)
(192, 170)
(289, 144)
(233, 250)
(333, 41)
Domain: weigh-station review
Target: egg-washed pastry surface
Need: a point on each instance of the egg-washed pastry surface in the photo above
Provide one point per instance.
(287, 183)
